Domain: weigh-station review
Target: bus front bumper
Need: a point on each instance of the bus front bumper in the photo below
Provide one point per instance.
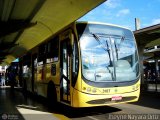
(81, 99)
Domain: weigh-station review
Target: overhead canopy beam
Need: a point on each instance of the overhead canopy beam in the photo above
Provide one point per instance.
(146, 38)
(30, 22)
(7, 46)
(149, 36)
(12, 26)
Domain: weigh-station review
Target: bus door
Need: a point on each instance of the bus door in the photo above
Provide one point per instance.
(34, 71)
(65, 65)
(41, 63)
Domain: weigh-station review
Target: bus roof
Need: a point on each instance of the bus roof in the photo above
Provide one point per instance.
(101, 23)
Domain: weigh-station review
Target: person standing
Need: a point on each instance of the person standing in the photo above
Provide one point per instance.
(3, 83)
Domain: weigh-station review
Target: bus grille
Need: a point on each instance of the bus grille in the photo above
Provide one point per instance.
(108, 100)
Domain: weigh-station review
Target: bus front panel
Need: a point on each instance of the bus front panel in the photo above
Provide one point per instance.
(109, 71)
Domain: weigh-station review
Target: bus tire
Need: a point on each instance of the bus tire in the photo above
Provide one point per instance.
(51, 95)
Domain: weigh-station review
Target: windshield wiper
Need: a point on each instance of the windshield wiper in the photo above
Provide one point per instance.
(108, 51)
(116, 49)
(113, 73)
(122, 39)
(114, 67)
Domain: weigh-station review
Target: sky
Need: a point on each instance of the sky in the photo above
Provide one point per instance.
(124, 12)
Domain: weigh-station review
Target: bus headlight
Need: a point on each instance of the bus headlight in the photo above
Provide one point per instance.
(88, 89)
(94, 90)
(134, 87)
(137, 86)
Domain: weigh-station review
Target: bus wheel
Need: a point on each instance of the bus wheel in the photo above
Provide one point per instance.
(51, 96)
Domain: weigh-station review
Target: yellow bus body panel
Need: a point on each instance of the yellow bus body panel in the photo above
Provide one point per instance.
(82, 99)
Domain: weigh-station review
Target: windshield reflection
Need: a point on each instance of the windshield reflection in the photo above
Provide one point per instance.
(108, 57)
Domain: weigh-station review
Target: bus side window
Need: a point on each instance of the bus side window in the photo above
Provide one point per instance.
(52, 50)
(42, 54)
(75, 60)
(26, 65)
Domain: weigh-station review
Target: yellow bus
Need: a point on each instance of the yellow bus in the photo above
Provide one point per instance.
(86, 64)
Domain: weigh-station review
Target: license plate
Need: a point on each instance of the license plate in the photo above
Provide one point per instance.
(116, 98)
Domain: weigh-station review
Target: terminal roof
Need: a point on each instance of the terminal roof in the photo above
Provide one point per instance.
(26, 23)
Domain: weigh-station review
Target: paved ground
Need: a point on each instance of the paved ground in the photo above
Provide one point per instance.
(153, 87)
(15, 106)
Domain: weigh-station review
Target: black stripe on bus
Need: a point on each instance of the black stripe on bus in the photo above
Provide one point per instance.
(109, 100)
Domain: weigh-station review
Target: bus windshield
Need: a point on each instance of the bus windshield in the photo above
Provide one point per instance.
(108, 53)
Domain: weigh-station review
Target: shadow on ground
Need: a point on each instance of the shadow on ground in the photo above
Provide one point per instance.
(149, 99)
(10, 100)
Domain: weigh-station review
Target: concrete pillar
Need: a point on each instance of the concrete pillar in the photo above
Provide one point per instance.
(141, 51)
(137, 23)
(156, 72)
(157, 67)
